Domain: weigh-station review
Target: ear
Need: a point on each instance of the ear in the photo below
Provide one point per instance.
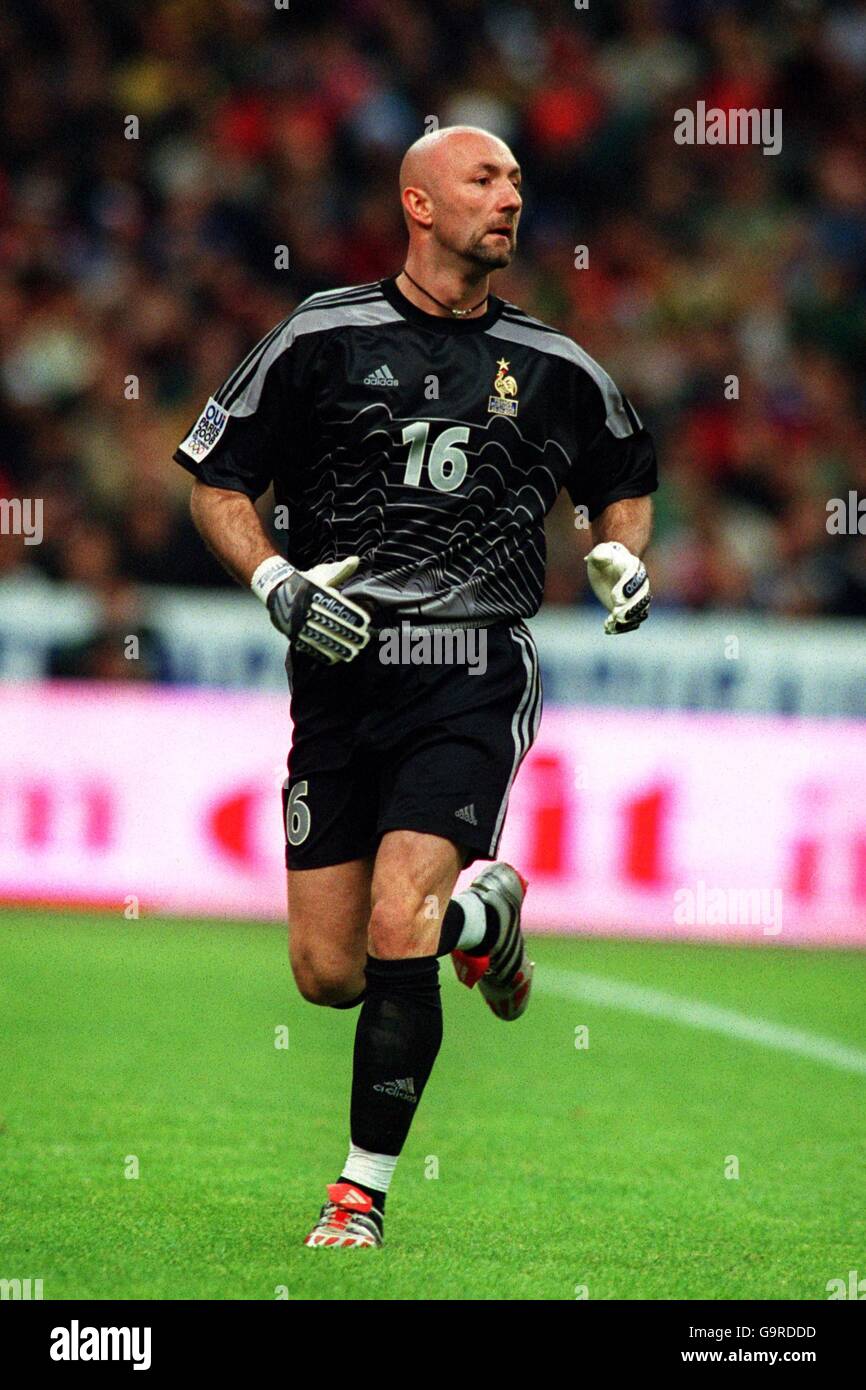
(417, 206)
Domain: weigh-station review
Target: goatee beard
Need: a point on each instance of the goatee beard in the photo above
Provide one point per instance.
(489, 259)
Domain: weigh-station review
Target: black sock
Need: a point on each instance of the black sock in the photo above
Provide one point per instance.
(452, 926)
(398, 1036)
(378, 1197)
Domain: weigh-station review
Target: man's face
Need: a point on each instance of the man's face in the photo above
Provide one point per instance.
(476, 202)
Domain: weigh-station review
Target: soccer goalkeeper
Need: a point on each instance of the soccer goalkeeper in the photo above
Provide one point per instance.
(417, 430)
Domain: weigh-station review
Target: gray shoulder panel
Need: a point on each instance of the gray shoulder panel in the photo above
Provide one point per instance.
(558, 345)
(313, 316)
(324, 296)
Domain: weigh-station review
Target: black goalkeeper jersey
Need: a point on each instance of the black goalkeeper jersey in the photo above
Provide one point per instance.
(431, 447)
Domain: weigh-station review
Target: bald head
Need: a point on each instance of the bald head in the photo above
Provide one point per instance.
(442, 150)
(458, 185)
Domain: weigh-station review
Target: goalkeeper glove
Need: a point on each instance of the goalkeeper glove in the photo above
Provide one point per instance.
(619, 580)
(306, 607)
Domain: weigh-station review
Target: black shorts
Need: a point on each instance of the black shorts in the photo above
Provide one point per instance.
(432, 743)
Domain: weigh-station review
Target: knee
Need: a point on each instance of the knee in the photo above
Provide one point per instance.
(320, 983)
(393, 929)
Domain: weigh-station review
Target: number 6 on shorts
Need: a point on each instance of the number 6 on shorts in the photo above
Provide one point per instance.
(296, 812)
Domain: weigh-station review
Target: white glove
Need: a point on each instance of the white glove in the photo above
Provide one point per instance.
(619, 580)
(333, 574)
(306, 606)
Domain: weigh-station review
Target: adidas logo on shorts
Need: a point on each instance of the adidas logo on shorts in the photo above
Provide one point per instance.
(467, 813)
(381, 377)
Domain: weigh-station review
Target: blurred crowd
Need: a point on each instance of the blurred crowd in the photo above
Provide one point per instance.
(154, 155)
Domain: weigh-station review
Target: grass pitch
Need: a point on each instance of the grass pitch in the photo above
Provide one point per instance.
(534, 1169)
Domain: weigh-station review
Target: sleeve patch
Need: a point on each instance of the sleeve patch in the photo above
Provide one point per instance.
(206, 431)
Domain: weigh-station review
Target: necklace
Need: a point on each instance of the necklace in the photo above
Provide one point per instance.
(458, 313)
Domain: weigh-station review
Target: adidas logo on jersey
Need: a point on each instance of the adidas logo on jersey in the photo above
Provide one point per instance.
(402, 1090)
(467, 813)
(381, 377)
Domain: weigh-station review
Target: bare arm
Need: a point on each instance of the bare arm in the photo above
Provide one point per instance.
(229, 525)
(616, 573)
(305, 606)
(628, 521)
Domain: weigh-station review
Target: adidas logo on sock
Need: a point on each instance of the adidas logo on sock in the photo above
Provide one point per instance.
(467, 813)
(402, 1090)
(381, 377)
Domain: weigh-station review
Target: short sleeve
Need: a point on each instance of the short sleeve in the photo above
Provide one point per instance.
(615, 457)
(238, 438)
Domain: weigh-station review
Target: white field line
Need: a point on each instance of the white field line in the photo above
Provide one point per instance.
(656, 1003)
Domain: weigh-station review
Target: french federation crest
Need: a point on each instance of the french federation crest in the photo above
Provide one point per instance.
(505, 400)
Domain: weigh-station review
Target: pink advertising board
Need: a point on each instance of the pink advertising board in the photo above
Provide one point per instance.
(719, 827)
